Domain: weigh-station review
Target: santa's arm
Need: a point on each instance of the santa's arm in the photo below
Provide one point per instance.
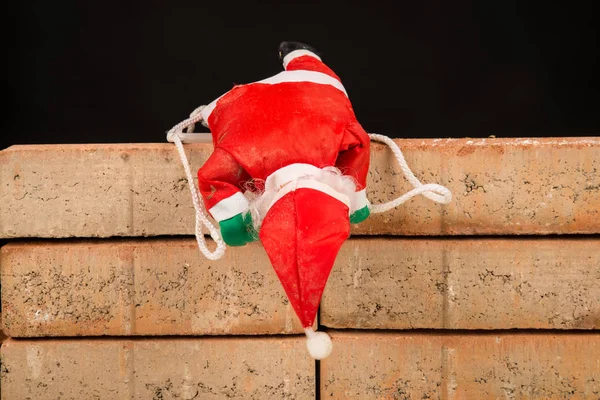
(353, 160)
(219, 181)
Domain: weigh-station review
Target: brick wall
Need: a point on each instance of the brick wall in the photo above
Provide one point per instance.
(497, 295)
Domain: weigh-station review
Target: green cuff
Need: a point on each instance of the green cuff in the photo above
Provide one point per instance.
(359, 215)
(238, 230)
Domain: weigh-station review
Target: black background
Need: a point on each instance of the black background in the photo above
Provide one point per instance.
(85, 71)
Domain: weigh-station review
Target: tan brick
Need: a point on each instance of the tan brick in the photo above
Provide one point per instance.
(213, 368)
(140, 287)
(465, 284)
(456, 367)
(97, 190)
(501, 186)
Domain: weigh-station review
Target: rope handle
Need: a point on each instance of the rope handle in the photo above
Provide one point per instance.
(432, 191)
(201, 218)
(188, 124)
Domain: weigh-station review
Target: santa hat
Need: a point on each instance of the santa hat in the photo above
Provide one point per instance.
(302, 233)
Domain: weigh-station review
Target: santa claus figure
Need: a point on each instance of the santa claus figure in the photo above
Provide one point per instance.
(289, 167)
(292, 139)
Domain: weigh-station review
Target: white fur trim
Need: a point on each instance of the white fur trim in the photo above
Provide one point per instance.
(304, 76)
(310, 184)
(296, 54)
(318, 344)
(298, 176)
(229, 207)
(359, 200)
(288, 177)
(289, 173)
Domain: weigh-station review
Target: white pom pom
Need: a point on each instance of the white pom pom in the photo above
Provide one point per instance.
(318, 344)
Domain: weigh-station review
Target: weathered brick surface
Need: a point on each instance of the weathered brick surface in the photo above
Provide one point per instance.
(95, 190)
(465, 284)
(501, 186)
(140, 287)
(164, 287)
(453, 367)
(213, 368)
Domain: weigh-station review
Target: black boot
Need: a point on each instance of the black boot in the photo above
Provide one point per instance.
(286, 48)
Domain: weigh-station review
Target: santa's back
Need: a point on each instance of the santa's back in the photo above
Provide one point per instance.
(266, 126)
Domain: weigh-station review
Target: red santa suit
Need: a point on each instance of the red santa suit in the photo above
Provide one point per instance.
(281, 134)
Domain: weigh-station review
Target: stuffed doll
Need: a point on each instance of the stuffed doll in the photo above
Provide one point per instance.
(289, 168)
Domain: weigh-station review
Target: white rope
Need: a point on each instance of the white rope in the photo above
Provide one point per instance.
(432, 191)
(191, 121)
(201, 218)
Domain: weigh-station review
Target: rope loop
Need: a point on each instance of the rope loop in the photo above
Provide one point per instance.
(432, 191)
(201, 216)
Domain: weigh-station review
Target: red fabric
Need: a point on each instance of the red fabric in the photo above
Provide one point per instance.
(354, 156)
(310, 63)
(302, 234)
(220, 177)
(259, 128)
